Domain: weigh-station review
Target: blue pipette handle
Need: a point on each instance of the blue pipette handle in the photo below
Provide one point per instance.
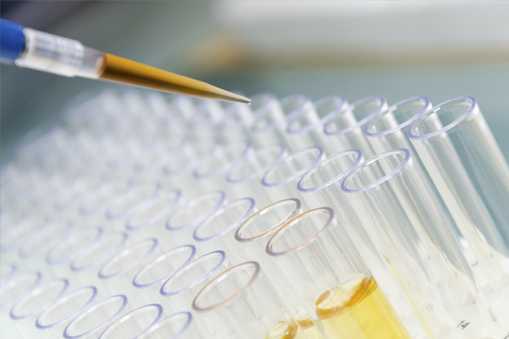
(12, 41)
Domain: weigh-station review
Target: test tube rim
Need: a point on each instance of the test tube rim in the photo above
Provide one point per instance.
(358, 162)
(406, 161)
(160, 258)
(331, 218)
(154, 328)
(69, 257)
(126, 316)
(297, 210)
(248, 212)
(296, 113)
(328, 120)
(392, 108)
(288, 157)
(218, 279)
(472, 110)
(176, 193)
(196, 282)
(13, 313)
(154, 244)
(40, 325)
(191, 203)
(75, 268)
(37, 281)
(282, 151)
(92, 308)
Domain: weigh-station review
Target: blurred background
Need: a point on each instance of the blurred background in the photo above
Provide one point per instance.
(317, 48)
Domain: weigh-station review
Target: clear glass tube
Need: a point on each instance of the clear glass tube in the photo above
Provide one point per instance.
(402, 210)
(239, 302)
(280, 180)
(345, 123)
(180, 226)
(388, 131)
(50, 323)
(217, 231)
(463, 159)
(96, 317)
(181, 286)
(324, 282)
(134, 323)
(255, 230)
(176, 325)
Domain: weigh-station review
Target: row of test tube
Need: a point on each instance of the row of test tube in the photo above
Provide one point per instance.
(140, 216)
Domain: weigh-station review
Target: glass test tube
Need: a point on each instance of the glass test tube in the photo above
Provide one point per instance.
(135, 323)
(51, 322)
(217, 231)
(416, 235)
(463, 159)
(345, 123)
(325, 283)
(239, 302)
(176, 325)
(94, 318)
(179, 288)
(182, 223)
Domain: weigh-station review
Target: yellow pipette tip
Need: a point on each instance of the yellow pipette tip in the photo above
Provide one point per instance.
(119, 69)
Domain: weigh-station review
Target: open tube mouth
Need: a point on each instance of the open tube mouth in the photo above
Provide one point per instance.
(133, 317)
(204, 205)
(219, 160)
(297, 162)
(237, 273)
(267, 113)
(64, 251)
(44, 321)
(189, 252)
(22, 282)
(298, 110)
(275, 210)
(16, 311)
(363, 110)
(443, 117)
(185, 276)
(254, 162)
(405, 112)
(393, 164)
(307, 235)
(104, 248)
(117, 302)
(330, 171)
(149, 212)
(178, 324)
(129, 257)
(216, 228)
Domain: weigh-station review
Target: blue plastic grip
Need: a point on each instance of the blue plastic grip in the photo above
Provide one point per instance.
(12, 40)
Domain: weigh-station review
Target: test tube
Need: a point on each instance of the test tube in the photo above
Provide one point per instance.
(217, 231)
(96, 317)
(388, 131)
(345, 123)
(323, 280)
(255, 230)
(152, 275)
(463, 159)
(402, 210)
(50, 323)
(239, 302)
(176, 325)
(180, 287)
(280, 180)
(134, 323)
(194, 212)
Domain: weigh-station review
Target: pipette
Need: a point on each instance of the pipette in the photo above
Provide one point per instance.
(29, 48)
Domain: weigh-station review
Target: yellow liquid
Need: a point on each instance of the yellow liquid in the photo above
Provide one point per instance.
(302, 329)
(358, 310)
